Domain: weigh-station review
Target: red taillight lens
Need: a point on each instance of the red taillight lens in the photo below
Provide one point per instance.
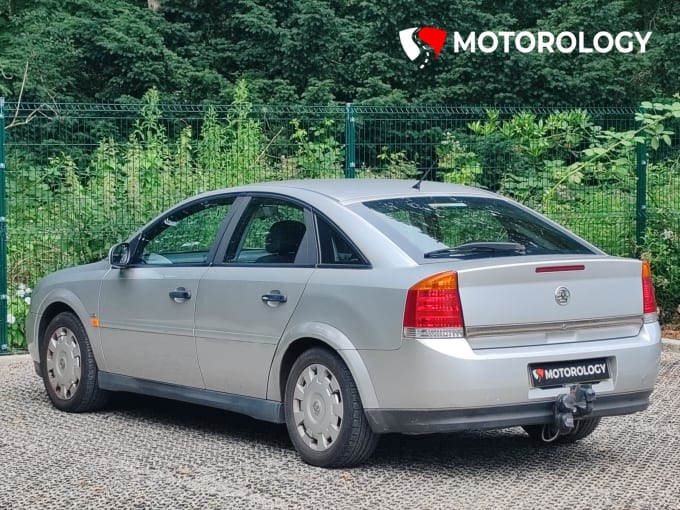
(433, 308)
(648, 298)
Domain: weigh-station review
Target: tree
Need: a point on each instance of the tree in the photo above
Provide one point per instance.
(318, 51)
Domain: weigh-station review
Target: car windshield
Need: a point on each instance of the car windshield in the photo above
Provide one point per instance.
(462, 227)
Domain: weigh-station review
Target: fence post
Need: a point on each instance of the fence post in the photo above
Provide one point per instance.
(641, 199)
(4, 341)
(350, 141)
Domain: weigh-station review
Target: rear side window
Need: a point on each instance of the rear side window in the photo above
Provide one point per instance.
(335, 248)
(271, 231)
(447, 226)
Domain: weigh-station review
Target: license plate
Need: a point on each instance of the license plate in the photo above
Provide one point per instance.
(568, 372)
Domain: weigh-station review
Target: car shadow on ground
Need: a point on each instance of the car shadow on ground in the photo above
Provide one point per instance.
(471, 450)
(198, 418)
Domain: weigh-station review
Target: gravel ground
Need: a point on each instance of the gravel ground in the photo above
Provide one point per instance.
(151, 453)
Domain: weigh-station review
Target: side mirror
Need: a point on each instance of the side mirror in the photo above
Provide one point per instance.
(119, 255)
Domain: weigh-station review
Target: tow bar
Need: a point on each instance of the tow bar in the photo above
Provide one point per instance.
(568, 406)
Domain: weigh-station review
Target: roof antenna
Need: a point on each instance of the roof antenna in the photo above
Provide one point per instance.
(422, 177)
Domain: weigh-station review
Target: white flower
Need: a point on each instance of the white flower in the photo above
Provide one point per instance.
(11, 319)
(668, 234)
(28, 290)
(22, 286)
(27, 300)
(21, 292)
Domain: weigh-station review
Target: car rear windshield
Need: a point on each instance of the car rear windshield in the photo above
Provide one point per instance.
(433, 227)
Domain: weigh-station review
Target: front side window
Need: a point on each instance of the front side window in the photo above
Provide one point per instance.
(185, 236)
(271, 231)
(448, 226)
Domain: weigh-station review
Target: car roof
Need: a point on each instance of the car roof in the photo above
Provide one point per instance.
(358, 190)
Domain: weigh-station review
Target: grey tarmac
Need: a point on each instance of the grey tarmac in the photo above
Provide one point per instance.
(144, 453)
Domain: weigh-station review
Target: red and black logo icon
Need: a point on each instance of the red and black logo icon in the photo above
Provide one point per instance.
(422, 44)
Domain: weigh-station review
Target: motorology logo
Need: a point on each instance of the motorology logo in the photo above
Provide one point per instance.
(548, 374)
(423, 45)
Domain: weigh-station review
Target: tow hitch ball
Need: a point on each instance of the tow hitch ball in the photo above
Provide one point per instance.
(575, 404)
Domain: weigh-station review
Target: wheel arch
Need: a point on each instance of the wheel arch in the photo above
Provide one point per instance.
(66, 301)
(296, 341)
(52, 310)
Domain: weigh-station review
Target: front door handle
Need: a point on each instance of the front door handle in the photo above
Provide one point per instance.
(180, 294)
(274, 297)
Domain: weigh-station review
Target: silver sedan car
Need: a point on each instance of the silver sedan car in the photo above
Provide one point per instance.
(351, 308)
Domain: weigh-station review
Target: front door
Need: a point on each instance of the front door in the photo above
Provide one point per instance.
(146, 311)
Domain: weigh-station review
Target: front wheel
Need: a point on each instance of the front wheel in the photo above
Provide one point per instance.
(324, 414)
(68, 366)
(546, 434)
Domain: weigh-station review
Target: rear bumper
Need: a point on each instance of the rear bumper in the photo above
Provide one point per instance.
(452, 420)
(444, 385)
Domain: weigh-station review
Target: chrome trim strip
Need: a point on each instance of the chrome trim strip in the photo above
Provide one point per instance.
(551, 327)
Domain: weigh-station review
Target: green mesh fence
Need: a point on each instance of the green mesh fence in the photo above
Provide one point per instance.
(81, 177)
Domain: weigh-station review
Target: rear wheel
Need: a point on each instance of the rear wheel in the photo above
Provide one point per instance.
(545, 434)
(324, 414)
(68, 366)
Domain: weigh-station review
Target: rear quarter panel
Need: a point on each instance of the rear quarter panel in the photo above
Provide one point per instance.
(349, 310)
(367, 305)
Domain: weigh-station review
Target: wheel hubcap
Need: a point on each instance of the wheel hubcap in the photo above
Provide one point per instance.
(317, 407)
(63, 363)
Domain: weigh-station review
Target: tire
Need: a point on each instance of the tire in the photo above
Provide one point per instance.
(69, 370)
(582, 429)
(324, 414)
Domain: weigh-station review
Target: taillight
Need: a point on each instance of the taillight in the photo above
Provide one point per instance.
(648, 298)
(433, 308)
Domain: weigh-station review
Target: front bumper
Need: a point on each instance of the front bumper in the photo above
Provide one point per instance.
(385, 421)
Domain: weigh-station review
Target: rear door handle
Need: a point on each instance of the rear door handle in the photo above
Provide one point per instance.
(274, 297)
(180, 294)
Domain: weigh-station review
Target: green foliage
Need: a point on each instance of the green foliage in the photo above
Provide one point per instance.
(536, 153)
(317, 51)
(459, 164)
(396, 165)
(318, 154)
(18, 303)
(84, 49)
(235, 152)
(662, 239)
(393, 165)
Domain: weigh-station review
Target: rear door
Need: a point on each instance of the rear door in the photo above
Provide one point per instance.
(247, 297)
